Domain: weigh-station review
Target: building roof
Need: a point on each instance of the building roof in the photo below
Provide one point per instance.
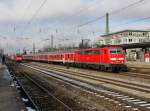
(136, 45)
(129, 30)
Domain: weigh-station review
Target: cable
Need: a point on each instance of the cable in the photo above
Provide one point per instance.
(37, 11)
(130, 22)
(114, 12)
(135, 3)
(91, 21)
(35, 14)
(81, 10)
(23, 16)
(26, 9)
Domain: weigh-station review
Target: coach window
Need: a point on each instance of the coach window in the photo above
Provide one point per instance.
(96, 52)
(113, 51)
(105, 51)
(88, 52)
(119, 51)
(82, 52)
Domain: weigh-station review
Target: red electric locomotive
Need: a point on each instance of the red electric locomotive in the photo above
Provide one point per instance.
(104, 58)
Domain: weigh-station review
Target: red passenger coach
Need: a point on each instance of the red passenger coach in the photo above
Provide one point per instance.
(55, 58)
(29, 57)
(69, 58)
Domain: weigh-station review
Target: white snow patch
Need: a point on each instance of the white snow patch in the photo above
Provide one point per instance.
(30, 109)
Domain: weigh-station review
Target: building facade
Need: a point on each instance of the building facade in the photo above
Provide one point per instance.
(127, 37)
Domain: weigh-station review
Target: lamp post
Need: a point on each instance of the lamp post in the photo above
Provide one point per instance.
(47, 39)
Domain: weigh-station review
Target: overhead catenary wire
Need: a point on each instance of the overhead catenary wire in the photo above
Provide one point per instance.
(113, 12)
(82, 10)
(23, 15)
(35, 14)
(133, 21)
(84, 24)
(129, 22)
(37, 11)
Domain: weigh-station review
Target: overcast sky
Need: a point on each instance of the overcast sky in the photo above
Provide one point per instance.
(20, 26)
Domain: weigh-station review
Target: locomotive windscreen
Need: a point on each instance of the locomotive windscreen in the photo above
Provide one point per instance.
(115, 51)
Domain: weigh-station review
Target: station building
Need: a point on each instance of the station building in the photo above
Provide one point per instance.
(128, 38)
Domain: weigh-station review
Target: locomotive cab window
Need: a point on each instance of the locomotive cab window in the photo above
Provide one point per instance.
(88, 52)
(82, 52)
(96, 51)
(119, 51)
(105, 51)
(115, 51)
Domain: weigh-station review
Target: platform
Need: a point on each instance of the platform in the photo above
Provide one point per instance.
(138, 64)
(9, 98)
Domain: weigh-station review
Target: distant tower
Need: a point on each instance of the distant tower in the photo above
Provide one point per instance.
(107, 23)
(51, 41)
(33, 47)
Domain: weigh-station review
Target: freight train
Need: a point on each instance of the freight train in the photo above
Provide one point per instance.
(105, 58)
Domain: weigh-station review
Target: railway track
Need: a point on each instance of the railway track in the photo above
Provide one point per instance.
(131, 101)
(117, 82)
(130, 74)
(40, 97)
(136, 74)
(140, 67)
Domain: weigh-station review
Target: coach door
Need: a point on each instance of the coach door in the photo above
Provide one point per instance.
(63, 58)
(104, 55)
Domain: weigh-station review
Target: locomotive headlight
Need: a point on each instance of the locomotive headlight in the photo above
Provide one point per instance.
(121, 59)
(112, 59)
